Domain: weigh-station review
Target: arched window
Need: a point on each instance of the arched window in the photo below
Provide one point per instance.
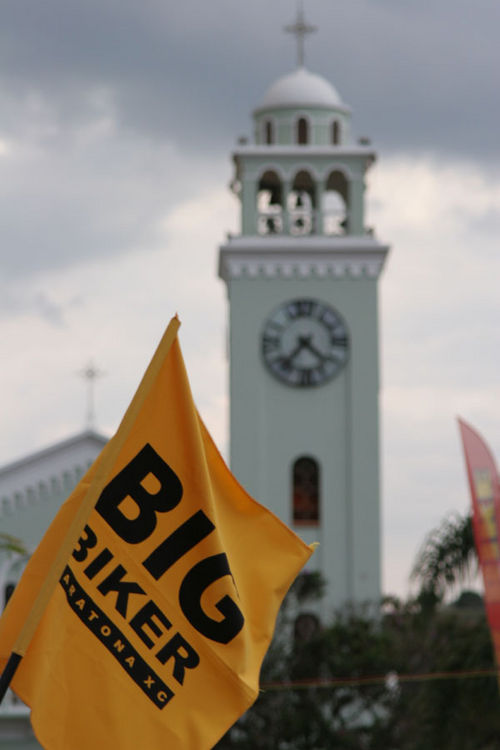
(335, 208)
(301, 204)
(305, 491)
(302, 131)
(268, 132)
(269, 204)
(335, 132)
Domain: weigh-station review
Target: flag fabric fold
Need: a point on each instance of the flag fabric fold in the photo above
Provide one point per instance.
(168, 579)
(484, 486)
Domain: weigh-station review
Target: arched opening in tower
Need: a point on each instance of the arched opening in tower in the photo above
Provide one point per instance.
(301, 204)
(305, 491)
(302, 131)
(269, 132)
(335, 204)
(269, 204)
(335, 133)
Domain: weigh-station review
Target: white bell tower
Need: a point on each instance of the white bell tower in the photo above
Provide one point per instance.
(302, 282)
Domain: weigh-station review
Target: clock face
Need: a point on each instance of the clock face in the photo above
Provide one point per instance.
(305, 342)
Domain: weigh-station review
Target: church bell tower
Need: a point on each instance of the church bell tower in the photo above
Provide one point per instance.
(302, 280)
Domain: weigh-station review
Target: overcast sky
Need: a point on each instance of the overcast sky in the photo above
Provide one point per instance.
(117, 119)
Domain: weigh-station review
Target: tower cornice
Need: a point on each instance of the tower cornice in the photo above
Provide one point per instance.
(252, 150)
(301, 257)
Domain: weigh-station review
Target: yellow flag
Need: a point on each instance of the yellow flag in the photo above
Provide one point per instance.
(168, 581)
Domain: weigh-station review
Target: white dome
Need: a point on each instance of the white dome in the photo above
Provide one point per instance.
(301, 89)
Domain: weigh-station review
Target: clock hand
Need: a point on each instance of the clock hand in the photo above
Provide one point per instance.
(290, 357)
(286, 360)
(308, 345)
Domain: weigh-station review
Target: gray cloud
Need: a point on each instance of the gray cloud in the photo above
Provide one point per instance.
(35, 304)
(114, 112)
(69, 194)
(418, 75)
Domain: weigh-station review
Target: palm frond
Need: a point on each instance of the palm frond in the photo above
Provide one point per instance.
(447, 557)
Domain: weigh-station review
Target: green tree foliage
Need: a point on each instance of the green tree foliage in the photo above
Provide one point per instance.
(413, 677)
(312, 716)
(451, 707)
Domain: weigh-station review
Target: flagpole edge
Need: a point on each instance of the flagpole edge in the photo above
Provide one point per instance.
(8, 673)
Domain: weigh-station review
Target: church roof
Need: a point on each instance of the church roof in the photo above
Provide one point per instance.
(301, 89)
(33, 488)
(86, 439)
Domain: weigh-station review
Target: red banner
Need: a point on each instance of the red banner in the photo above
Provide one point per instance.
(485, 493)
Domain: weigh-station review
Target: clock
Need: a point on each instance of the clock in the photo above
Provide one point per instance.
(305, 343)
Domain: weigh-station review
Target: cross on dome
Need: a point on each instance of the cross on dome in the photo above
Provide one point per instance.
(300, 29)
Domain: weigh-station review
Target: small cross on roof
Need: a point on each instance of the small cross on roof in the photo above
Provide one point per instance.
(90, 373)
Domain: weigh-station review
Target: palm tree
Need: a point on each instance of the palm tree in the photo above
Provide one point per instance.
(447, 557)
